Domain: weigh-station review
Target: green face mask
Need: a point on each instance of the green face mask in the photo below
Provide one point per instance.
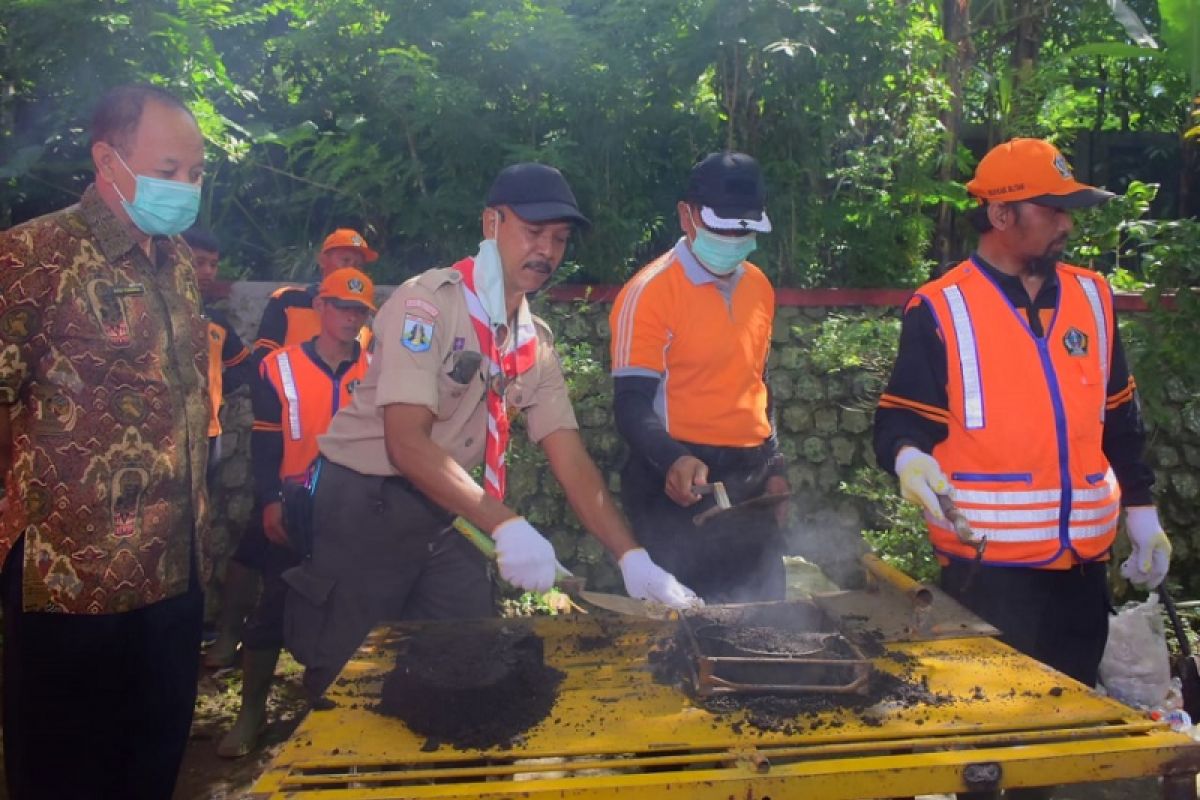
(719, 254)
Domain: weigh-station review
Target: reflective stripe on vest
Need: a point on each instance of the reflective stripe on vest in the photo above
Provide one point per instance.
(1093, 298)
(1040, 534)
(1028, 498)
(292, 394)
(968, 358)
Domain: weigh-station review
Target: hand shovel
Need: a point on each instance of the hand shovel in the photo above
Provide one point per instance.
(1186, 665)
(486, 545)
(962, 529)
(763, 501)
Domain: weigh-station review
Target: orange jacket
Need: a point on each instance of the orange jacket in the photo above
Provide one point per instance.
(309, 395)
(225, 353)
(1026, 420)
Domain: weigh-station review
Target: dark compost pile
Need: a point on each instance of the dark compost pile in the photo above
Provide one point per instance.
(471, 685)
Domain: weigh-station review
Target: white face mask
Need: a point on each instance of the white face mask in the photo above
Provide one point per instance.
(489, 280)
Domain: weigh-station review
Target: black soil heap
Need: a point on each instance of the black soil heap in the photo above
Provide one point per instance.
(473, 685)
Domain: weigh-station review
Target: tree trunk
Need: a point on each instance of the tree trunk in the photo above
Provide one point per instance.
(1027, 43)
(956, 27)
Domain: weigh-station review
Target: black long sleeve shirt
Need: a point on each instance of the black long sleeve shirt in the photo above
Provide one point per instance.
(915, 404)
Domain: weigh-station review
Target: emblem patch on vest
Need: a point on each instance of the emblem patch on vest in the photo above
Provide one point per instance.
(1076, 342)
(418, 334)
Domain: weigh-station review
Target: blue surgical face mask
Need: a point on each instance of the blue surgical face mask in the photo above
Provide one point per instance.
(160, 207)
(719, 254)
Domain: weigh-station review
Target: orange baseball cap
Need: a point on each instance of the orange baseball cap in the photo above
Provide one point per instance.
(1034, 170)
(348, 237)
(348, 286)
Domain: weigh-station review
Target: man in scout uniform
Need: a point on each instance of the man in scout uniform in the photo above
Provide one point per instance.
(302, 387)
(457, 355)
(690, 336)
(1011, 398)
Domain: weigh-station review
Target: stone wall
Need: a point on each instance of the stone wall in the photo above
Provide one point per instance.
(824, 421)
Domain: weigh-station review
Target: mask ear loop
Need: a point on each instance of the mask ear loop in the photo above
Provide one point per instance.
(132, 174)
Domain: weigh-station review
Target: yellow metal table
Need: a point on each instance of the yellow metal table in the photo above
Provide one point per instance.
(616, 733)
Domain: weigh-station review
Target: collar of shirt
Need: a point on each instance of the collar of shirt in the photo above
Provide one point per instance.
(310, 350)
(699, 276)
(113, 236)
(1014, 290)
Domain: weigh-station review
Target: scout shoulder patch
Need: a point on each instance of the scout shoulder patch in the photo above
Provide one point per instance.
(1076, 342)
(418, 334)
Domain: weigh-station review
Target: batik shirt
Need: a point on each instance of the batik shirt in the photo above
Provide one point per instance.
(103, 366)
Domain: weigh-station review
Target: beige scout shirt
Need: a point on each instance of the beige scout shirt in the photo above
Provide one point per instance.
(433, 307)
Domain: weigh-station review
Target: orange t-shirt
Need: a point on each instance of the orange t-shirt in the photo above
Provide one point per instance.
(706, 338)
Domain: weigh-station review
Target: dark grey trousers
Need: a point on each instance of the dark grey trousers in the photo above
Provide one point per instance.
(381, 551)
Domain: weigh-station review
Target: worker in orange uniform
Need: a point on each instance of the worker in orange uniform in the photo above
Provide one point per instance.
(302, 388)
(1011, 396)
(691, 332)
(288, 318)
(229, 366)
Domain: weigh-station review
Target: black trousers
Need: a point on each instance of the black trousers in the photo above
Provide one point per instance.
(97, 706)
(1058, 616)
(264, 628)
(254, 548)
(381, 551)
(733, 559)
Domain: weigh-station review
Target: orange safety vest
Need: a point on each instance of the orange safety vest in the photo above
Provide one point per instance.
(309, 396)
(1026, 420)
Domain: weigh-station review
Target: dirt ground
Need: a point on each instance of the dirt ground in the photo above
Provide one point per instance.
(205, 775)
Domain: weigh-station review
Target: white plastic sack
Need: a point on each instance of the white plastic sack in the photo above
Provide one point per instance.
(1136, 667)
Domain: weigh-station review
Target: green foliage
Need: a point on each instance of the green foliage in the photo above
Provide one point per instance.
(900, 537)
(394, 116)
(848, 342)
(1157, 258)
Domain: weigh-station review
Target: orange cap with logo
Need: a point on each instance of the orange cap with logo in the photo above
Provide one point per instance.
(1034, 170)
(348, 237)
(348, 285)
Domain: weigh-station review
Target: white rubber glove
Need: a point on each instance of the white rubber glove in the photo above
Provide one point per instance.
(525, 558)
(1150, 559)
(921, 479)
(646, 580)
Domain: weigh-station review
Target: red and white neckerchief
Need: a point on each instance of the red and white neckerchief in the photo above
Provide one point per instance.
(520, 353)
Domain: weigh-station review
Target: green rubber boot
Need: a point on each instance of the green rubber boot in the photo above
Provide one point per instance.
(238, 596)
(258, 669)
